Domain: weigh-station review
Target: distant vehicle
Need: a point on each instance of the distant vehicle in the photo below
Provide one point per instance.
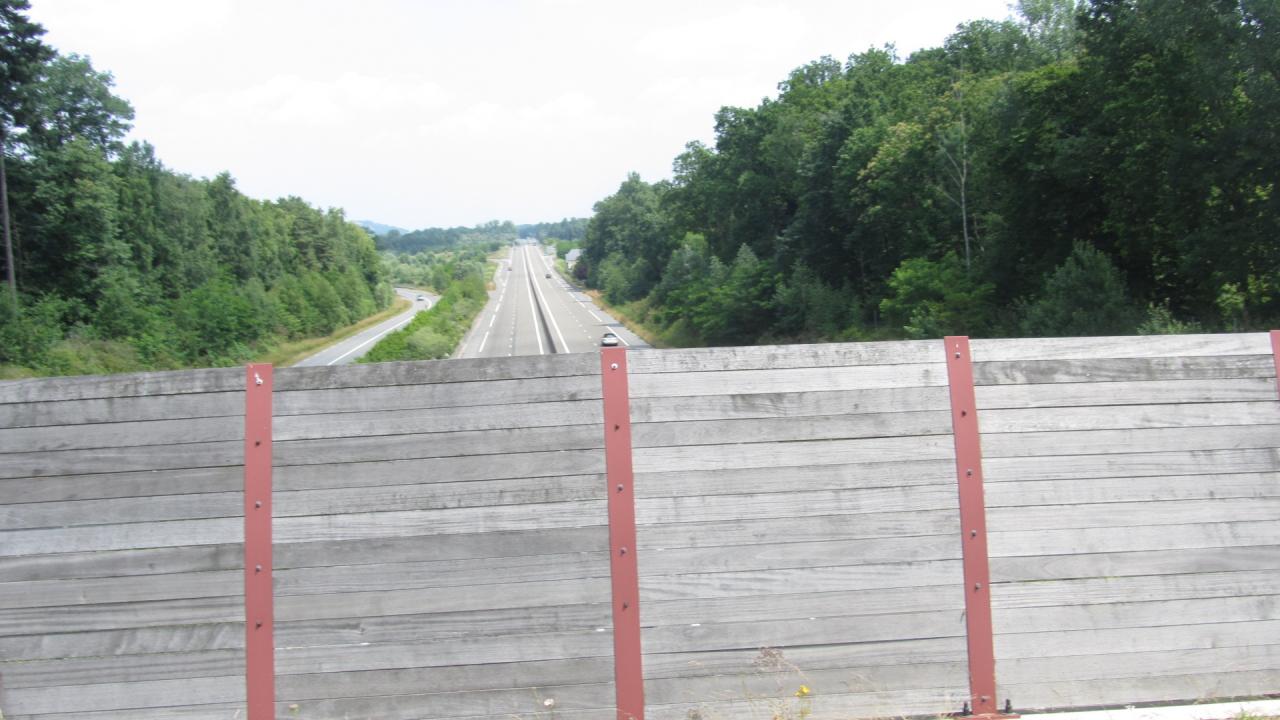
(609, 340)
(508, 268)
(548, 275)
(421, 297)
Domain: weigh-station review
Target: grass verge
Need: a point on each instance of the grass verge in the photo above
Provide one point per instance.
(288, 353)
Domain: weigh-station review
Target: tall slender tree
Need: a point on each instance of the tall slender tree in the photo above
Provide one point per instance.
(22, 60)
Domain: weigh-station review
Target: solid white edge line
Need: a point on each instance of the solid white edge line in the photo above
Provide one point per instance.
(550, 315)
(533, 307)
(379, 335)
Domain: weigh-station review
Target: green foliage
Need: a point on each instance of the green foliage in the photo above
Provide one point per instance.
(1083, 296)
(1147, 130)
(434, 333)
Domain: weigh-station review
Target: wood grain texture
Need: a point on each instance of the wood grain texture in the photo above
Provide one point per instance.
(177, 382)
(1178, 512)
(1137, 613)
(1131, 489)
(708, 637)
(122, 409)
(1147, 392)
(1190, 688)
(804, 606)
(906, 703)
(739, 382)
(795, 478)
(1102, 442)
(125, 695)
(1101, 591)
(437, 372)
(813, 528)
(1069, 541)
(643, 362)
(822, 579)
(1131, 464)
(459, 678)
(821, 452)
(439, 396)
(787, 404)
(756, 430)
(169, 615)
(802, 505)
(1110, 641)
(1147, 563)
(1130, 417)
(1107, 370)
(1147, 346)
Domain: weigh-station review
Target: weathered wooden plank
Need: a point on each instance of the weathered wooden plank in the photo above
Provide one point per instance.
(776, 689)
(214, 711)
(1192, 688)
(91, 591)
(578, 701)
(474, 574)
(446, 651)
(1098, 591)
(991, 397)
(703, 508)
(795, 478)
(1095, 370)
(117, 434)
(803, 658)
(805, 606)
(428, 627)
(1025, 671)
(128, 484)
(446, 444)
(438, 396)
(576, 591)
(830, 427)
(1038, 541)
(1139, 613)
(123, 459)
(1119, 564)
(1101, 442)
(460, 678)
(820, 452)
(518, 491)
(758, 357)
(189, 638)
(1107, 641)
(703, 637)
(69, 619)
(1147, 346)
(1131, 464)
(788, 404)
(122, 409)
(121, 563)
(800, 554)
(1131, 489)
(815, 528)
(435, 371)
(1130, 416)
(123, 696)
(176, 382)
(1176, 512)
(436, 420)
(740, 382)
(923, 702)
(786, 581)
(123, 669)
(311, 528)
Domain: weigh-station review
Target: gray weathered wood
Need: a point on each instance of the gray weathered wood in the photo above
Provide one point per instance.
(796, 478)
(1096, 591)
(655, 511)
(822, 579)
(788, 404)
(372, 448)
(1132, 464)
(738, 382)
(800, 554)
(187, 638)
(1039, 541)
(1193, 688)
(1108, 641)
(776, 689)
(123, 668)
(820, 452)
(461, 678)
(129, 409)
(44, 593)
(991, 397)
(922, 702)
(120, 434)
(123, 459)
(410, 397)
(123, 696)
(1100, 442)
(1139, 613)
(176, 382)
(433, 372)
(578, 591)
(1130, 416)
(831, 427)
(1177, 512)
(1025, 671)
(121, 563)
(68, 619)
(805, 631)
(1131, 489)
(1150, 346)
(1094, 370)
(1119, 564)
(815, 528)
(804, 658)
(128, 484)
(577, 701)
(755, 357)
(803, 606)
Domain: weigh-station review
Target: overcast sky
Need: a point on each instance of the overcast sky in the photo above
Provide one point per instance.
(431, 113)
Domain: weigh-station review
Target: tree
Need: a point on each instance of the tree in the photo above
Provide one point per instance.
(1085, 295)
(22, 58)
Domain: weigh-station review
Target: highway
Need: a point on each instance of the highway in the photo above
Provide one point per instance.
(530, 313)
(354, 347)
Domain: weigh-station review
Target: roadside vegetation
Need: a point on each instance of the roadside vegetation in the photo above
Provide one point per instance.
(1087, 168)
(123, 264)
(460, 277)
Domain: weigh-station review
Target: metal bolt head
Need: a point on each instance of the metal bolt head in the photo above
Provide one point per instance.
(257, 503)
(613, 366)
(620, 488)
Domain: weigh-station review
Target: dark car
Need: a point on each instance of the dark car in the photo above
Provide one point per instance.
(548, 275)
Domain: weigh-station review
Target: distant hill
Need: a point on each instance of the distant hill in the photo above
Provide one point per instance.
(378, 228)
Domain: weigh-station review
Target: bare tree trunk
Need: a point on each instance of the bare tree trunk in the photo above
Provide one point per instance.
(8, 237)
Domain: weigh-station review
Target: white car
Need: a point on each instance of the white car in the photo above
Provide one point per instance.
(609, 340)
(421, 297)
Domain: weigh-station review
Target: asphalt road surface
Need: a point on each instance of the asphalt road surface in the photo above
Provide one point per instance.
(354, 347)
(533, 311)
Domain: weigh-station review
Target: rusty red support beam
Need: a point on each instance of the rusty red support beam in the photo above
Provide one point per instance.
(258, 642)
(1275, 353)
(627, 669)
(973, 528)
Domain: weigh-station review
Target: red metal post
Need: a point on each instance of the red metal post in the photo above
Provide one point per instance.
(259, 644)
(623, 570)
(1275, 352)
(973, 528)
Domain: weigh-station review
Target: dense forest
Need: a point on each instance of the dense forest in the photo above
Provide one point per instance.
(491, 233)
(1107, 167)
(121, 263)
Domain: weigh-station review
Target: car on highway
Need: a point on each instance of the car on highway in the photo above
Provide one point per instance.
(609, 340)
(548, 275)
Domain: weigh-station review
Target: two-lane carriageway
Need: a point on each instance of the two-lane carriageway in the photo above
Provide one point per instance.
(533, 311)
